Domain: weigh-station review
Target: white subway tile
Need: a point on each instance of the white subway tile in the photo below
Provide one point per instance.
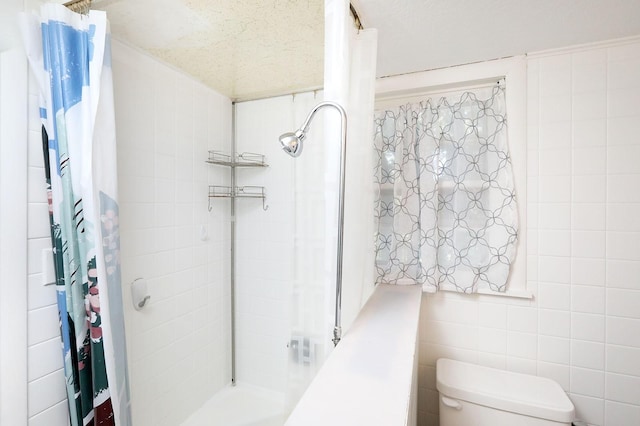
(533, 142)
(558, 372)
(492, 315)
(622, 102)
(38, 221)
(623, 303)
(588, 409)
(587, 354)
(588, 299)
(589, 133)
(588, 217)
(492, 340)
(554, 162)
(623, 360)
(554, 189)
(36, 185)
(623, 74)
(522, 345)
(554, 296)
(589, 161)
(622, 131)
(521, 365)
(623, 217)
(623, 331)
(589, 189)
(46, 392)
(619, 188)
(554, 349)
(555, 136)
(617, 413)
(554, 216)
(586, 271)
(589, 71)
(555, 75)
(623, 245)
(441, 308)
(623, 159)
(165, 166)
(589, 327)
(56, 415)
(587, 382)
(44, 358)
(42, 324)
(555, 323)
(39, 295)
(555, 108)
(590, 105)
(523, 319)
(622, 388)
(554, 243)
(554, 269)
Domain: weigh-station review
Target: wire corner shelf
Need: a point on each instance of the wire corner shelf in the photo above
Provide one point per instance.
(244, 159)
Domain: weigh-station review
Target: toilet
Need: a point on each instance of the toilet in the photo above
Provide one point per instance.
(474, 395)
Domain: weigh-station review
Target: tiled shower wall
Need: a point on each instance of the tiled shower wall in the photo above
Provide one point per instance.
(582, 328)
(179, 345)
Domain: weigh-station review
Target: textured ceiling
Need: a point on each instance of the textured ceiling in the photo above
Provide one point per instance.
(244, 49)
(253, 48)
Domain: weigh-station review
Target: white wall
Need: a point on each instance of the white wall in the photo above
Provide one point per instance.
(178, 346)
(582, 327)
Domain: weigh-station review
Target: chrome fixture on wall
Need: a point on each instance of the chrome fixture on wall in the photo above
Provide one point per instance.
(292, 144)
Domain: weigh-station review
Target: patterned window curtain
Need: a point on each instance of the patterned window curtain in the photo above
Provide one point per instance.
(446, 207)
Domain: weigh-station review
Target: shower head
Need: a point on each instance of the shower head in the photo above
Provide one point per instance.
(292, 142)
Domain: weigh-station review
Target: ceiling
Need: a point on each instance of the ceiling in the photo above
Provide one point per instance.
(248, 49)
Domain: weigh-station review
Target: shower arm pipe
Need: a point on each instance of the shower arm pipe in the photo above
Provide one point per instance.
(337, 329)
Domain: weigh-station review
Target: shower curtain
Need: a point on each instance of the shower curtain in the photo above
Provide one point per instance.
(350, 60)
(70, 58)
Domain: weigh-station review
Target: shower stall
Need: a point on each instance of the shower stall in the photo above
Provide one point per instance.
(242, 305)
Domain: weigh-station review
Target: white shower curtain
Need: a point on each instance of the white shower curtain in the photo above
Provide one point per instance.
(350, 58)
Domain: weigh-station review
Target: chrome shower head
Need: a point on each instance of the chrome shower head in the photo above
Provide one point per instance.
(292, 142)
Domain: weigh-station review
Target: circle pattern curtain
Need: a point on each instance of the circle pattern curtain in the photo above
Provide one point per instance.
(445, 208)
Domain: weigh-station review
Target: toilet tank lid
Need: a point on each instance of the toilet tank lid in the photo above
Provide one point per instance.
(504, 390)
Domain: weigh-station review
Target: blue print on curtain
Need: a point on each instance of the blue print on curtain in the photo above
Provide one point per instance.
(72, 67)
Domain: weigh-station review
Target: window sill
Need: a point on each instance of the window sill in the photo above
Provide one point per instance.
(514, 293)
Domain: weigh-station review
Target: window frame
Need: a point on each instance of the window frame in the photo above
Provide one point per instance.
(395, 90)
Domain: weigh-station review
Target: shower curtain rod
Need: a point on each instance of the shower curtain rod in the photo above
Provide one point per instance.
(79, 6)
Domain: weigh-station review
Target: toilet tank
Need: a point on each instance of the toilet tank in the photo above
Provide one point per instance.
(471, 394)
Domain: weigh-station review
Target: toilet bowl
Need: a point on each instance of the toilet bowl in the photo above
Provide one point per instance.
(474, 395)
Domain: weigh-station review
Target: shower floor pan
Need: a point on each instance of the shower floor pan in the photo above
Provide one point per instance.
(241, 405)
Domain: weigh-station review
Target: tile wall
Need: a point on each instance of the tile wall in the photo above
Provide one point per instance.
(583, 247)
(179, 345)
(47, 398)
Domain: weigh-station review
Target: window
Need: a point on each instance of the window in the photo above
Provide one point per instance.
(446, 202)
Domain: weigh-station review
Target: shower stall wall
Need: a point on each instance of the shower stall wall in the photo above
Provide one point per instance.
(179, 342)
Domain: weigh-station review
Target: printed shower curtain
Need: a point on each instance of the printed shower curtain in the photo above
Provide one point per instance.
(70, 57)
(446, 206)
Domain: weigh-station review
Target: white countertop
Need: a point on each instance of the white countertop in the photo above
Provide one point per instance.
(367, 379)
